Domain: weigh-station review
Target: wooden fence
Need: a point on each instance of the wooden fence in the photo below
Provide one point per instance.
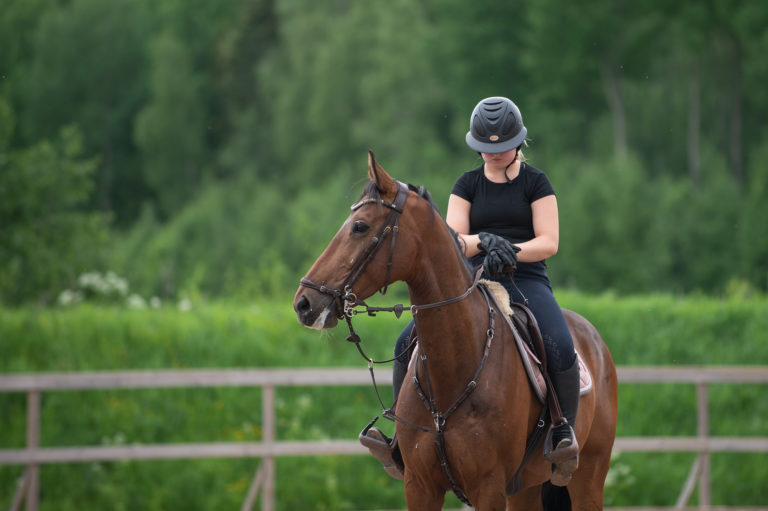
(269, 448)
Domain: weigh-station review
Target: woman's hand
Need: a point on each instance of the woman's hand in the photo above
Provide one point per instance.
(501, 255)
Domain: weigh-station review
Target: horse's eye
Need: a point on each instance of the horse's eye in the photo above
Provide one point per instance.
(360, 227)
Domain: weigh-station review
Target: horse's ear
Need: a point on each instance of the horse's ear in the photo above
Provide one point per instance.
(378, 175)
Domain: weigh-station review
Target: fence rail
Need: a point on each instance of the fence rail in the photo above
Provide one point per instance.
(269, 448)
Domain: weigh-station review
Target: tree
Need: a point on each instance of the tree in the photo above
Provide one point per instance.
(87, 69)
(46, 239)
(170, 130)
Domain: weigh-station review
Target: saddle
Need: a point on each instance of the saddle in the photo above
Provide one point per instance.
(528, 341)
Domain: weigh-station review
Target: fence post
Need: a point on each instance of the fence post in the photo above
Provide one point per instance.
(705, 493)
(33, 442)
(268, 437)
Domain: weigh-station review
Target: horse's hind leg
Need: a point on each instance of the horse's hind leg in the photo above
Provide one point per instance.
(588, 482)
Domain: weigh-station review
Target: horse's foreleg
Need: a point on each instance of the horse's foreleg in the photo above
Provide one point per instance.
(528, 499)
(489, 494)
(418, 497)
(495, 501)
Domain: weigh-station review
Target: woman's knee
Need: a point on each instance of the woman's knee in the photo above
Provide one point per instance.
(401, 346)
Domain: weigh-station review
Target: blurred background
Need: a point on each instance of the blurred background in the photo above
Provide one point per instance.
(200, 148)
(170, 169)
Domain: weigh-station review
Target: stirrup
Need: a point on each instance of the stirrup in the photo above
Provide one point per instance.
(564, 458)
(384, 449)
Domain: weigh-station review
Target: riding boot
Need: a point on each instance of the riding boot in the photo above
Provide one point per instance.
(563, 449)
(384, 449)
(398, 375)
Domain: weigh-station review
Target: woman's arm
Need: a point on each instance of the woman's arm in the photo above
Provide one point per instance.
(546, 229)
(457, 218)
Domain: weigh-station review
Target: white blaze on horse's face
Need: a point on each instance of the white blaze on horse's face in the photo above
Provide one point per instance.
(319, 323)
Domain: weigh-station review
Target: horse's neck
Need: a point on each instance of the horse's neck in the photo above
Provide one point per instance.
(452, 336)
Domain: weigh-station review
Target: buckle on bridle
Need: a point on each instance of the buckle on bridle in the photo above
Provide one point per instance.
(350, 302)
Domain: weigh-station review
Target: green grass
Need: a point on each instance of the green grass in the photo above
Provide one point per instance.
(652, 330)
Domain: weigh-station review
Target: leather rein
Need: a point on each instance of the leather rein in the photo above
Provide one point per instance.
(347, 306)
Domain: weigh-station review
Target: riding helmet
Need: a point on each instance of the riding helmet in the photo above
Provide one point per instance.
(496, 126)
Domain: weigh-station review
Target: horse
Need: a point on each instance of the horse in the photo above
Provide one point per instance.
(466, 412)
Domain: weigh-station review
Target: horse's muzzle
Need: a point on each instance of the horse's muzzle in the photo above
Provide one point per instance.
(315, 311)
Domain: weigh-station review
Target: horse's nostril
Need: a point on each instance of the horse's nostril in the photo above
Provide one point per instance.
(302, 305)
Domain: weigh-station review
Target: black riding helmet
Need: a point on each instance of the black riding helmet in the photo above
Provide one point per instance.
(496, 126)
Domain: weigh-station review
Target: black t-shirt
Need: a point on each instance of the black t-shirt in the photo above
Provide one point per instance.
(503, 208)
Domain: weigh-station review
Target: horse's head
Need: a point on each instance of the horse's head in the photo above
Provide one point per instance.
(367, 253)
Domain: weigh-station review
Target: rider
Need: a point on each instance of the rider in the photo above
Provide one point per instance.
(505, 215)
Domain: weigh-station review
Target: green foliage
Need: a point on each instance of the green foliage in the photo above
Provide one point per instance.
(640, 330)
(649, 120)
(46, 238)
(173, 157)
(680, 330)
(87, 68)
(7, 122)
(753, 231)
(646, 234)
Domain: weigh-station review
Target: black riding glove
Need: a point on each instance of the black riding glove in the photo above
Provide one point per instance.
(501, 255)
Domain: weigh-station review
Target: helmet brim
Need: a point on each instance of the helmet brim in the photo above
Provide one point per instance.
(496, 147)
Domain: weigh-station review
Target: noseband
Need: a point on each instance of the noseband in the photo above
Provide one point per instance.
(345, 298)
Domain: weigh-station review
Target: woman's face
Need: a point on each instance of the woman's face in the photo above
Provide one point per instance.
(500, 159)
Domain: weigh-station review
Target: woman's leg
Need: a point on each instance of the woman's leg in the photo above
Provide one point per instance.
(400, 366)
(563, 369)
(381, 446)
(554, 330)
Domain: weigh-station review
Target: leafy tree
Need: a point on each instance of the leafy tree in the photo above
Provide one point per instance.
(244, 44)
(88, 69)
(46, 239)
(346, 80)
(170, 130)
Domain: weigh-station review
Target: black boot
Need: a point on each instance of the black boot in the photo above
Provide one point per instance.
(398, 375)
(563, 449)
(384, 449)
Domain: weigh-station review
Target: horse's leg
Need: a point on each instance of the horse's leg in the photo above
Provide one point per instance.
(489, 494)
(527, 499)
(419, 497)
(588, 482)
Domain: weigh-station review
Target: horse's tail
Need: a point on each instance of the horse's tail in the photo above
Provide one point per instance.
(555, 498)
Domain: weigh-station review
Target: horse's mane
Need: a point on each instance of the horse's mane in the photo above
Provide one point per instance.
(372, 191)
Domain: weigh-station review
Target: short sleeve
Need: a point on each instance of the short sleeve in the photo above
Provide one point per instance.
(541, 187)
(464, 187)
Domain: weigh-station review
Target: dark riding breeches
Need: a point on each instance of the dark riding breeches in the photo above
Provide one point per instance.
(554, 330)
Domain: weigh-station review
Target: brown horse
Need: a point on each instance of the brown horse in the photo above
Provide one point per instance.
(394, 234)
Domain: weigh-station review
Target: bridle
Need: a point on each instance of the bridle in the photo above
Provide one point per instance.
(345, 298)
